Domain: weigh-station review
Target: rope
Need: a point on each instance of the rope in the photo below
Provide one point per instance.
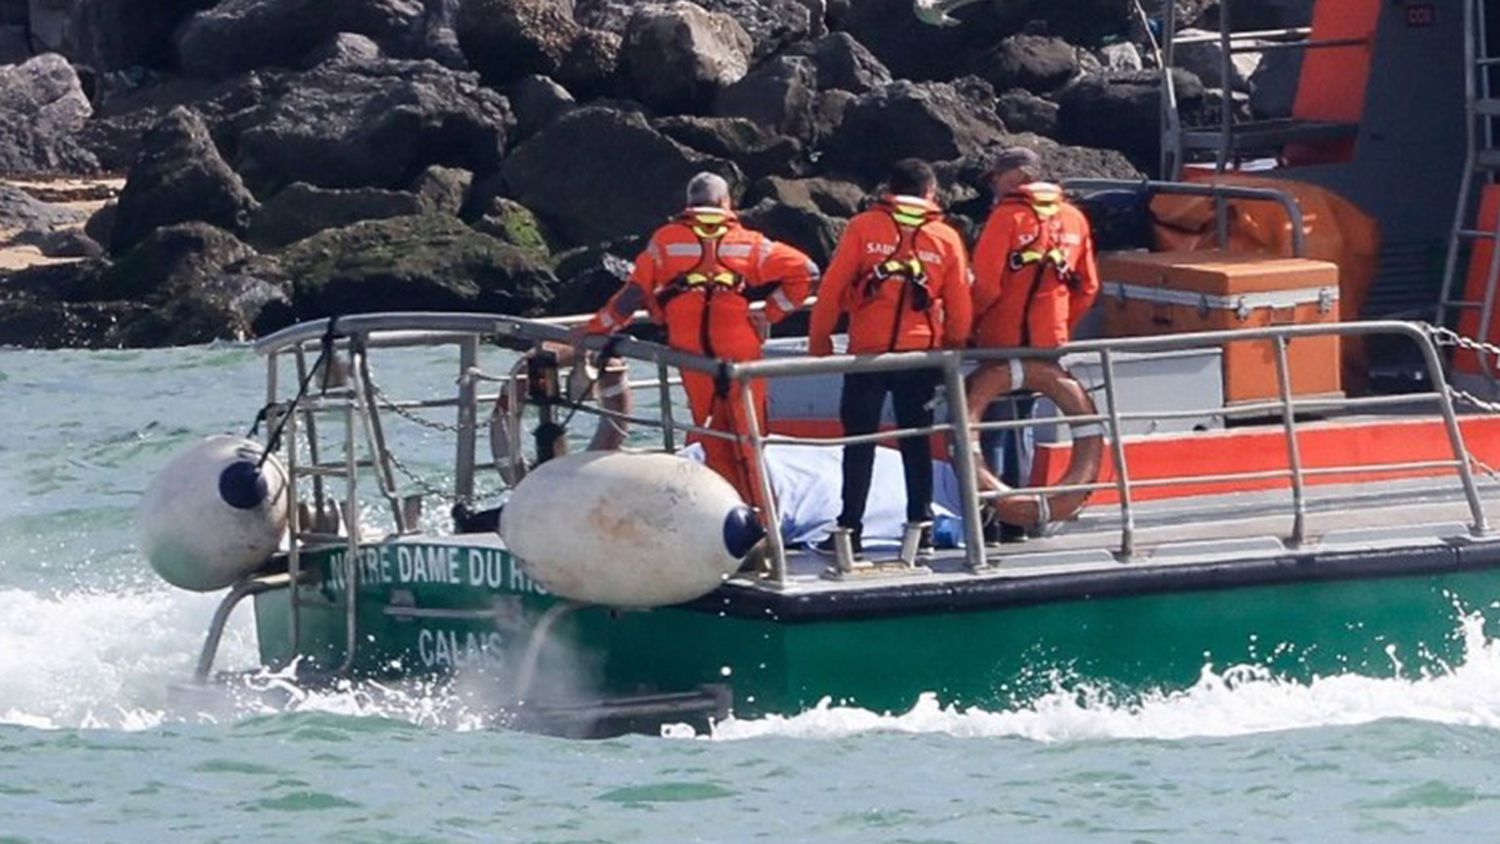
(325, 354)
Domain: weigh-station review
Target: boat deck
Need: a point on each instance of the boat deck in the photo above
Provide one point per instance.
(1392, 525)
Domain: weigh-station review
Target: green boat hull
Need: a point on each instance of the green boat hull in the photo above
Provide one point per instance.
(475, 610)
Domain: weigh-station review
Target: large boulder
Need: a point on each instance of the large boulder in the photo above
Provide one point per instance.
(168, 261)
(443, 188)
(1205, 60)
(779, 95)
(537, 101)
(810, 230)
(116, 132)
(302, 210)
(20, 211)
(1022, 111)
(933, 121)
(427, 262)
(966, 178)
(843, 63)
(676, 56)
(830, 196)
(180, 177)
(774, 24)
(757, 152)
(591, 69)
(41, 105)
(913, 50)
(371, 125)
(239, 35)
(599, 173)
(508, 39)
(511, 222)
(1037, 63)
(344, 48)
(589, 275)
(1122, 111)
(109, 34)
(40, 322)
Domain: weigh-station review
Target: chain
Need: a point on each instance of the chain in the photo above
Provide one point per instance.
(1448, 338)
(409, 415)
(418, 481)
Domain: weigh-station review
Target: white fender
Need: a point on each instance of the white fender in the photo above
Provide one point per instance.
(210, 517)
(628, 530)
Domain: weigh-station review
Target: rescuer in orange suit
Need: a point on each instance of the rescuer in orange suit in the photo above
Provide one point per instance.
(698, 276)
(1034, 279)
(902, 275)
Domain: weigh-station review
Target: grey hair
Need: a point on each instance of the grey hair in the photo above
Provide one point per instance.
(707, 189)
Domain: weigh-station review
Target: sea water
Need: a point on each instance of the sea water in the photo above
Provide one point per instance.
(93, 749)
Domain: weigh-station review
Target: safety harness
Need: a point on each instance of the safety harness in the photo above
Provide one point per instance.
(1044, 202)
(709, 276)
(904, 266)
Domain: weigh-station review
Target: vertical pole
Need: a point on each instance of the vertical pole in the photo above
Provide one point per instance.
(963, 460)
(1293, 451)
(1226, 85)
(1117, 449)
(351, 526)
(664, 397)
(463, 470)
(1480, 526)
(771, 514)
(294, 545)
(319, 493)
(1466, 186)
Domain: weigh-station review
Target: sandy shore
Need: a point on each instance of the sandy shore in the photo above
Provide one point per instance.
(78, 194)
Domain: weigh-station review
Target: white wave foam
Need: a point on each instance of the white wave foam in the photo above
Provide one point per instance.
(103, 658)
(96, 659)
(1236, 701)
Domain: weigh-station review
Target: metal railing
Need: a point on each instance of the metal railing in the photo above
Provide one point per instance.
(1220, 194)
(1230, 44)
(418, 329)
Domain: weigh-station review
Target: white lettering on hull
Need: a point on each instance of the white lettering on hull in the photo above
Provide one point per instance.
(451, 649)
(404, 564)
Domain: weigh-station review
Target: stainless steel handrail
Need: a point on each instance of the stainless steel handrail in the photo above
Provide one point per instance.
(1219, 193)
(420, 328)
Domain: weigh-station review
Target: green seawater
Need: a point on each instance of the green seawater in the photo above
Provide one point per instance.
(93, 749)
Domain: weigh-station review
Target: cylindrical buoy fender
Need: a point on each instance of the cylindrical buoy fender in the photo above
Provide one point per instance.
(214, 514)
(628, 530)
(990, 382)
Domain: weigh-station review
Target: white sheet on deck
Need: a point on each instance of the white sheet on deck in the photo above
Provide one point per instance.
(808, 479)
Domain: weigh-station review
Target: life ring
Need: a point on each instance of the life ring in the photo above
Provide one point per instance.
(609, 387)
(991, 381)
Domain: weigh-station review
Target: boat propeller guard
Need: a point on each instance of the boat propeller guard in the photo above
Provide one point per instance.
(992, 381)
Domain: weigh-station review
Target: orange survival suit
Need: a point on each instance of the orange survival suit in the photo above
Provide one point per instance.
(870, 279)
(1034, 270)
(698, 276)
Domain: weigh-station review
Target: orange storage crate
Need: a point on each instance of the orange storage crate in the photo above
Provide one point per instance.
(1180, 292)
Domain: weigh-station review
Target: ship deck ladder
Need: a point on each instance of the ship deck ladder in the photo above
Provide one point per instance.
(1482, 162)
(1231, 140)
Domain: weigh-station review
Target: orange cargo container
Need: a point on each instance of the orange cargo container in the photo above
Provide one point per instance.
(1180, 292)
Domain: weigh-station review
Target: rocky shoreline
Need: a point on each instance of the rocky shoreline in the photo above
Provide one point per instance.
(257, 162)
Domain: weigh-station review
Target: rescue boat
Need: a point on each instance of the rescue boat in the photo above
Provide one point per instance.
(1249, 460)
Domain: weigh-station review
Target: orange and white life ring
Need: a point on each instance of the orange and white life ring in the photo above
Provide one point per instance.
(992, 381)
(609, 387)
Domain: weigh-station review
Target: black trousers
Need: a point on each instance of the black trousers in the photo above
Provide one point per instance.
(859, 410)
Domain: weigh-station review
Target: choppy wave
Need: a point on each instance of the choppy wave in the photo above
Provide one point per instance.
(101, 659)
(1237, 700)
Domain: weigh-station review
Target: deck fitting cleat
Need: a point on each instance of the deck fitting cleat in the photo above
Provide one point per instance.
(916, 542)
